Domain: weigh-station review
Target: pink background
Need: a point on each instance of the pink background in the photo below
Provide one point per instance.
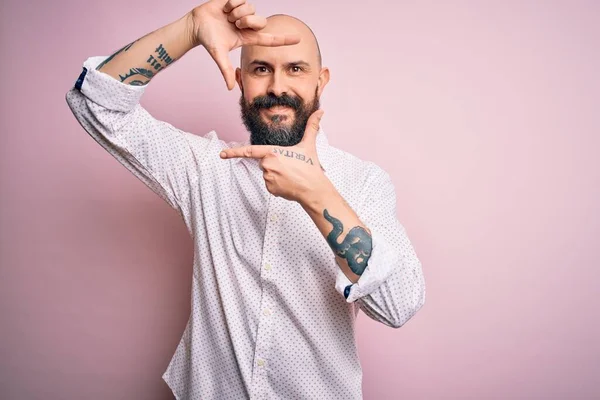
(486, 114)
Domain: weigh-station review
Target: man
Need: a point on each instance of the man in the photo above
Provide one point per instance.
(292, 236)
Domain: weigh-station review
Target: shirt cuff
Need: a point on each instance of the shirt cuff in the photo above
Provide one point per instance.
(384, 258)
(105, 90)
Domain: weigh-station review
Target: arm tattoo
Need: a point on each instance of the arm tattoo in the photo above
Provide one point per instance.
(124, 48)
(156, 62)
(162, 56)
(356, 246)
(137, 71)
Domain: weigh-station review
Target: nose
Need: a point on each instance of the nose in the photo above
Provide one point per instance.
(277, 85)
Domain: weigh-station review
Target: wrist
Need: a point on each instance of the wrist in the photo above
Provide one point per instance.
(314, 200)
(191, 28)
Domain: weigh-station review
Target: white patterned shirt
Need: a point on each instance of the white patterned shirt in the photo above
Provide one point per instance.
(269, 314)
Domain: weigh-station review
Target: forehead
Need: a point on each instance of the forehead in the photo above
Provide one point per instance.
(306, 50)
(280, 55)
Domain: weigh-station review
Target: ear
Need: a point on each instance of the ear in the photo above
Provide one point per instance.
(323, 80)
(238, 77)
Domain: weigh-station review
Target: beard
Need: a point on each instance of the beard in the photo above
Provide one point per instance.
(278, 131)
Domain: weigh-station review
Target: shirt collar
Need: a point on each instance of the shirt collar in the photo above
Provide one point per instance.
(322, 144)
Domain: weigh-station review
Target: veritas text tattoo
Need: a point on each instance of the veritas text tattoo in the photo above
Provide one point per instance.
(293, 154)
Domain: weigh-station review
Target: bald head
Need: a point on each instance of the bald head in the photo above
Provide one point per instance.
(282, 23)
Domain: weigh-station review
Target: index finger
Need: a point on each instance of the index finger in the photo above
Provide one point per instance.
(268, 39)
(231, 4)
(252, 151)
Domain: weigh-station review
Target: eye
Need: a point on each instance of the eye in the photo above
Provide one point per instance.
(296, 68)
(260, 70)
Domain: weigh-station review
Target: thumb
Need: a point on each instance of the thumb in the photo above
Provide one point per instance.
(221, 57)
(312, 127)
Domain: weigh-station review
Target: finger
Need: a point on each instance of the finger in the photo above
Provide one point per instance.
(268, 177)
(267, 39)
(312, 127)
(262, 165)
(252, 151)
(222, 59)
(231, 4)
(241, 11)
(255, 22)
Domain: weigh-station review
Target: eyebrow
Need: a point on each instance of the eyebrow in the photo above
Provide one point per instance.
(290, 64)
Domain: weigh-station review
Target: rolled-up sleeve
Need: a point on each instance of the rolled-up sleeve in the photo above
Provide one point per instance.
(391, 289)
(166, 159)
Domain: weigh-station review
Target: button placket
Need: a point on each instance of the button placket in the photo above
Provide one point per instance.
(262, 357)
(265, 328)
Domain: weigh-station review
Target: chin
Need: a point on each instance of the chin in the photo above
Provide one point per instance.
(286, 121)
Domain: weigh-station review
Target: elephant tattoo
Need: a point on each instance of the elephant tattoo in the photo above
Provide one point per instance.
(356, 246)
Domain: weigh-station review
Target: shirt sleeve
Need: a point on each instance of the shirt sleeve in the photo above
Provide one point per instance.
(165, 158)
(391, 289)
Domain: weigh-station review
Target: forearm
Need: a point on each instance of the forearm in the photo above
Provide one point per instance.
(139, 61)
(347, 236)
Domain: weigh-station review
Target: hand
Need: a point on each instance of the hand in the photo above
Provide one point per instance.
(293, 172)
(223, 25)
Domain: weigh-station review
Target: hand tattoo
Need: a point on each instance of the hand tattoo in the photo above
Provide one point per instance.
(292, 154)
(356, 246)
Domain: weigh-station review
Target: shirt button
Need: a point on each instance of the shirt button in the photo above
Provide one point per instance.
(267, 312)
(273, 217)
(261, 362)
(268, 266)
(347, 291)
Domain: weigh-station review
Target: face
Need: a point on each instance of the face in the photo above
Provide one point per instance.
(280, 89)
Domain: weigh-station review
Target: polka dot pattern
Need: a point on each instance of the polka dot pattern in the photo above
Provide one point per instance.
(272, 314)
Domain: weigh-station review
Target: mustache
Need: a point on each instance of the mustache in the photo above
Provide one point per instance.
(269, 101)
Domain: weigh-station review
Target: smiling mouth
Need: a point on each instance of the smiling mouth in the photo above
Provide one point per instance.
(278, 114)
(278, 109)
